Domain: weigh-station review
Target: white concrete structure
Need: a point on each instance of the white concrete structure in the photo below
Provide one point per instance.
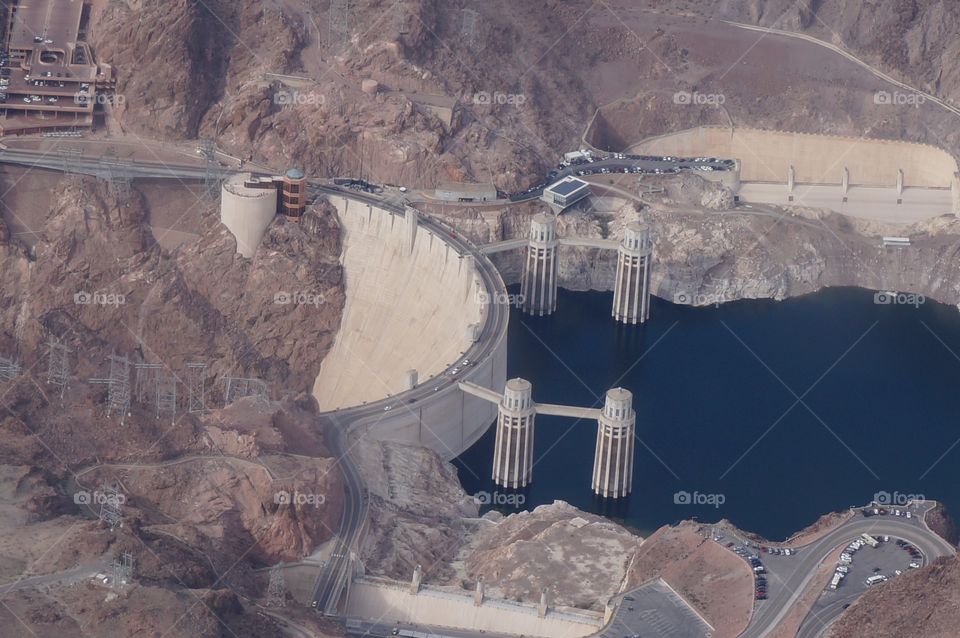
(247, 212)
(407, 311)
(613, 461)
(565, 192)
(429, 607)
(513, 451)
(539, 283)
(631, 288)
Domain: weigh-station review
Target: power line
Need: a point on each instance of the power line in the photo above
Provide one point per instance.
(123, 570)
(277, 588)
(118, 386)
(469, 24)
(58, 365)
(9, 369)
(111, 507)
(196, 387)
(237, 388)
(339, 22)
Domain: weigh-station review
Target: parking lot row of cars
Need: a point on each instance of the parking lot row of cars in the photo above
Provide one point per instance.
(915, 553)
(884, 511)
(581, 165)
(756, 565)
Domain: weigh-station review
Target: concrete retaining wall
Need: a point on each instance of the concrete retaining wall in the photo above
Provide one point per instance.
(431, 608)
(766, 156)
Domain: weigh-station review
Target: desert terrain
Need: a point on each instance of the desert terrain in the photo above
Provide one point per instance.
(270, 83)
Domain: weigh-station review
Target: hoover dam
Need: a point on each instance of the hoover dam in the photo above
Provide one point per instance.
(419, 303)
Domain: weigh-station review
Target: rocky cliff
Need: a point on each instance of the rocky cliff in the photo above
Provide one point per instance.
(706, 253)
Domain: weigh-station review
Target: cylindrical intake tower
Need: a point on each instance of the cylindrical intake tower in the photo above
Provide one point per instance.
(538, 286)
(631, 288)
(513, 451)
(613, 462)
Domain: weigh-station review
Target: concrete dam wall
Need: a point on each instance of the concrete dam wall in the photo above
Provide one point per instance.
(409, 310)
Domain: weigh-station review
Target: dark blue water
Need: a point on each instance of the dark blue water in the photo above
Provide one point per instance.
(716, 390)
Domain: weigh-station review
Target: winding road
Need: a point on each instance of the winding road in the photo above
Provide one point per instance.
(768, 614)
(336, 425)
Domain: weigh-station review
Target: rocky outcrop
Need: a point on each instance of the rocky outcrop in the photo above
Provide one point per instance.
(579, 558)
(100, 281)
(921, 602)
(939, 520)
(419, 514)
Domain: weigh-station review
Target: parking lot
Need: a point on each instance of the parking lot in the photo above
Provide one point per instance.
(654, 611)
(766, 562)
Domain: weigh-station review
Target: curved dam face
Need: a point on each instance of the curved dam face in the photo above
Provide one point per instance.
(409, 308)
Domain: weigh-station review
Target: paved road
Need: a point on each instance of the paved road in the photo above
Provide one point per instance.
(796, 578)
(377, 629)
(336, 572)
(645, 164)
(83, 572)
(104, 167)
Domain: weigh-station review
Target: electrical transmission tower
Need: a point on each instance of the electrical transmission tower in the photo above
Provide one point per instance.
(115, 172)
(145, 386)
(118, 386)
(195, 386)
(277, 589)
(122, 570)
(58, 365)
(9, 369)
(238, 388)
(70, 156)
(167, 395)
(339, 22)
(111, 507)
(468, 27)
(212, 168)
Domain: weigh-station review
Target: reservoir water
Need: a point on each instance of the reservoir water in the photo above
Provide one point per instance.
(765, 413)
